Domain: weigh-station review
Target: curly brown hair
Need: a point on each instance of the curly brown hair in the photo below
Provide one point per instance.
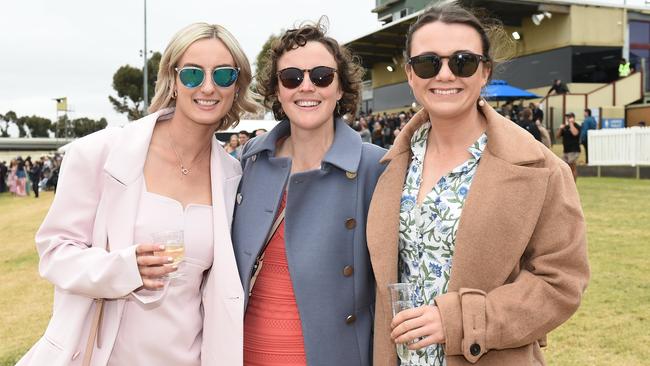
(349, 70)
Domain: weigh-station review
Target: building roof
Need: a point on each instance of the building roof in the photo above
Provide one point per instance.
(31, 143)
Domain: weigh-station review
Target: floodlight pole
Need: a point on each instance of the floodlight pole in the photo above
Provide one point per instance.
(144, 53)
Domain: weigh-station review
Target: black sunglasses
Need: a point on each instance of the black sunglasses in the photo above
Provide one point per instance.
(461, 64)
(320, 76)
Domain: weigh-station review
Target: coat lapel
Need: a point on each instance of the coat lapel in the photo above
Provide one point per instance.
(500, 199)
(497, 201)
(225, 177)
(124, 178)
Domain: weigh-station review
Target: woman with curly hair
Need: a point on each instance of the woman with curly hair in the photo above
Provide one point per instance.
(299, 227)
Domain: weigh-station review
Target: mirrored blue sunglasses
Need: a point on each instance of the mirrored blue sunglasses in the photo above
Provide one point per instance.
(193, 77)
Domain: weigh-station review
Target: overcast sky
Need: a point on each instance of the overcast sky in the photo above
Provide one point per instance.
(72, 48)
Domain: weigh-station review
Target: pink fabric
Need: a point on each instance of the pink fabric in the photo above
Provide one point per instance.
(167, 330)
(13, 180)
(272, 328)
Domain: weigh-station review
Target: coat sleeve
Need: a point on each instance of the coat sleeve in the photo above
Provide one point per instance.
(64, 241)
(553, 275)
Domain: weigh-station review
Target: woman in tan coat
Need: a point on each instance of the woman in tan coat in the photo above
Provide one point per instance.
(482, 218)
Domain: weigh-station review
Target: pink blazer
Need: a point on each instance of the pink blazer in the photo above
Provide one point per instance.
(96, 202)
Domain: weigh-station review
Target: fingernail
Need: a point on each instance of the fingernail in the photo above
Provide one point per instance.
(170, 259)
(161, 247)
(175, 266)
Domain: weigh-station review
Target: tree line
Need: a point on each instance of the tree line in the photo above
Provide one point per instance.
(127, 82)
(36, 126)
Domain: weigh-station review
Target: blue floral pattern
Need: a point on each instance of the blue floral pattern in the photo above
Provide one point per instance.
(427, 233)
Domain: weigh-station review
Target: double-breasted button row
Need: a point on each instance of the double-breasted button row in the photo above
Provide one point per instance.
(350, 319)
(348, 271)
(350, 223)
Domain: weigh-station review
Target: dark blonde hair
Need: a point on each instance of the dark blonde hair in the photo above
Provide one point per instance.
(349, 70)
(490, 30)
(181, 41)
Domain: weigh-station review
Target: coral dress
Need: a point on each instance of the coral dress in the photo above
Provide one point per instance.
(272, 328)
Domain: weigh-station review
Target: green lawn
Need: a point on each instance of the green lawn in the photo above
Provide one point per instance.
(611, 327)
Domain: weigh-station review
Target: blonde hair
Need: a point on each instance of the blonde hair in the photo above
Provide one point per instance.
(166, 81)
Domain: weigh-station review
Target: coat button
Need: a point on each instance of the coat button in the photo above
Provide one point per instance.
(239, 198)
(475, 349)
(350, 223)
(350, 319)
(253, 158)
(351, 175)
(348, 271)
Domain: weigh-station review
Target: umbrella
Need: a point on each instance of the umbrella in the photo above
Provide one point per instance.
(501, 90)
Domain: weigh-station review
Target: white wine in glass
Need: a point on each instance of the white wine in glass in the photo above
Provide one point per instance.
(174, 248)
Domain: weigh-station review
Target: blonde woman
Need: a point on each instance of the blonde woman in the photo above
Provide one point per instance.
(118, 187)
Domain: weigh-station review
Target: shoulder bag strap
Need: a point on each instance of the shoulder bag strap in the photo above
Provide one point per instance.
(260, 259)
(94, 334)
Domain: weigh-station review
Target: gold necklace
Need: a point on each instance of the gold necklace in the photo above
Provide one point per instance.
(184, 170)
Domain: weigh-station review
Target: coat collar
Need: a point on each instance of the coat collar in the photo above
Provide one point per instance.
(499, 132)
(345, 152)
(126, 160)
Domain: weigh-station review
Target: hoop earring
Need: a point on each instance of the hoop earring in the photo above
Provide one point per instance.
(174, 94)
(338, 108)
(236, 94)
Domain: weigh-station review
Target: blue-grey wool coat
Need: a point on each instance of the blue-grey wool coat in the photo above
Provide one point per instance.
(325, 238)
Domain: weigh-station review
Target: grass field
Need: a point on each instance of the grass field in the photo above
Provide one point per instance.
(611, 327)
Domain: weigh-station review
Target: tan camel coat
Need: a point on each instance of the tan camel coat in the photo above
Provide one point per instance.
(520, 262)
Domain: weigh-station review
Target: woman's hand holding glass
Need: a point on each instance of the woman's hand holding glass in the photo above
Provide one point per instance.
(422, 324)
(153, 268)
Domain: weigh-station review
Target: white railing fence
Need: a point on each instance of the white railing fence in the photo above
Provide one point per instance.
(619, 146)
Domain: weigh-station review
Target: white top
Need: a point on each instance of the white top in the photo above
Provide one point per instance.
(164, 327)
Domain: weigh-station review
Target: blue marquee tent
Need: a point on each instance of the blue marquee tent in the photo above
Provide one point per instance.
(501, 90)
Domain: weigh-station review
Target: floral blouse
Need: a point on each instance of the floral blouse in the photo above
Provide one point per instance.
(427, 234)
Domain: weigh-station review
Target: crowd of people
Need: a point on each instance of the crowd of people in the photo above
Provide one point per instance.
(21, 176)
(381, 129)
(236, 141)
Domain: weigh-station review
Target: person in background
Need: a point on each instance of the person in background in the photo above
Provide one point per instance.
(624, 68)
(529, 125)
(260, 132)
(3, 176)
(21, 177)
(28, 168)
(588, 124)
(377, 135)
(569, 131)
(364, 132)
(558, 88)
(232, 145)
(544, 134)
(538, 114)
(35, 174)
(243, 136)
(299, 230)
(479, 217)
(12, 180)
